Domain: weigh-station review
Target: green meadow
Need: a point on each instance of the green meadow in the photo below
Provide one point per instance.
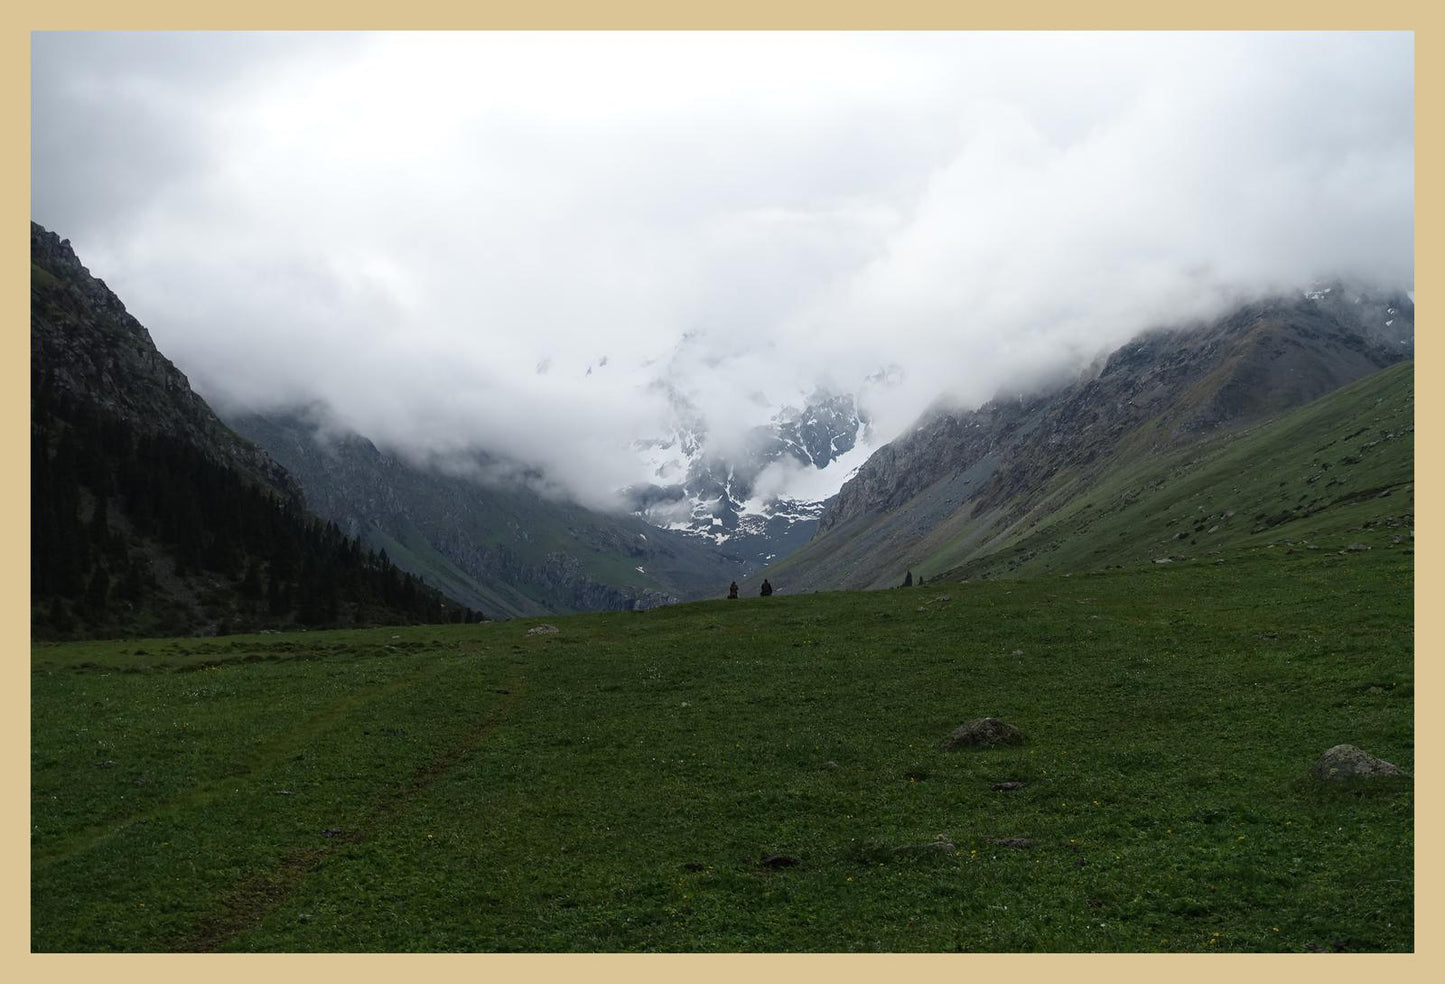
(761, 774)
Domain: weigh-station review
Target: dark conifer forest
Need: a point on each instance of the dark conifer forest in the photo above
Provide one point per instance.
(145, 534)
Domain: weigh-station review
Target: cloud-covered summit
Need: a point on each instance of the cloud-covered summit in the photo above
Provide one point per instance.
(406, 227)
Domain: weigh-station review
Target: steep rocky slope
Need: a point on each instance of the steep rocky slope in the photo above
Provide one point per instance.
(150, 516)
(84, 342)
(961, 482)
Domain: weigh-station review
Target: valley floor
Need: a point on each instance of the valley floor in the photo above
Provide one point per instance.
(642, 781)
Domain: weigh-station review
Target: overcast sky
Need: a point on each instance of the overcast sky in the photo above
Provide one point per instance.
(439, 235)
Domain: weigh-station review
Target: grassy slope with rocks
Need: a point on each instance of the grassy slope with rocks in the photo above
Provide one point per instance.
(963, 484)
(1333, 474)
(615, 785)
(1306, 480)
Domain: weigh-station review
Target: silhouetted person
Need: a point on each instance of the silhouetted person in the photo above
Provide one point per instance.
(767, 588)
(733, 590)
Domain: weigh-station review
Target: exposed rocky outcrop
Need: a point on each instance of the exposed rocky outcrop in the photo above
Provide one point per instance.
(709, 494)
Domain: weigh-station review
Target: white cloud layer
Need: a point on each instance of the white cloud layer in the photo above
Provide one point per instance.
(440, 235)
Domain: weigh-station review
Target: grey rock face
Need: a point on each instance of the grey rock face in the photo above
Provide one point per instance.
(1345, 762)
(710, 497)
(983, 733)
(1166, 387)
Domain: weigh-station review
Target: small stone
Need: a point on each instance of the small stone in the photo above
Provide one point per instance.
(1011, 784)
(941, 844)
(543, 629)
(776, 862)
(1016, 843)
(333, 832)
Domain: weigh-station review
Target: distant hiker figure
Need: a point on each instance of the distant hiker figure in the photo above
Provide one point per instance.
(767, 588)
(733, 590)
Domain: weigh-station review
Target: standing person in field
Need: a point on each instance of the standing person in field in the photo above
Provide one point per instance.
(733, 590)
(767, 588)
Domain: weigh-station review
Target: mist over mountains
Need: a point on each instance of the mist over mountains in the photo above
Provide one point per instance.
(150, 512)
(525, 245)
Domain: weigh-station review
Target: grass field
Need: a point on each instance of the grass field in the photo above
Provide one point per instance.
(616, 784)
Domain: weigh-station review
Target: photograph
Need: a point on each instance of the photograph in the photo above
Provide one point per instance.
(750, 491)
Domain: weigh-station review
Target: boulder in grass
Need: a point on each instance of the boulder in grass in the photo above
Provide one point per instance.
(983, 733)
(542, 630)
(1344, 763)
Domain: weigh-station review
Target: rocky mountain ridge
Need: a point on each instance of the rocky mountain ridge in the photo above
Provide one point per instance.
(976, 473)
(714, 495)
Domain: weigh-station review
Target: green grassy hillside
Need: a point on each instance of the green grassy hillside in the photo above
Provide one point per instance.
(617, 784)
(1335, 473)
(503, 550)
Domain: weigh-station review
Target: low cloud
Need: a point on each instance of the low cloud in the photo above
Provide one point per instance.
(406, 227)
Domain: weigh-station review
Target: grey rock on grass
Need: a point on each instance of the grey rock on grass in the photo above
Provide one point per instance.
(983, 733)
(1345, 762)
